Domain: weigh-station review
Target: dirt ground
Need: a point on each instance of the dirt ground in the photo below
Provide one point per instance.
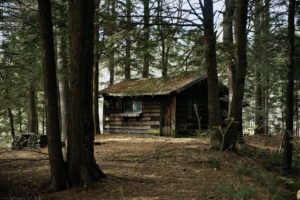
(150, 167)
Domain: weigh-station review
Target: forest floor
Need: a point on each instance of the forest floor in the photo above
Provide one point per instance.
(150, 167)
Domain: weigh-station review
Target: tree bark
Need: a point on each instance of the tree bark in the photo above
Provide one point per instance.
(259, 100)
(163, 55)
(166, 61)
(43, 120)
(96, 71)
(235, 112)
(229, 47)
(164, 47)
(57, 165)
(11, 122)
(146, 48)
(289, 113)
(258, 103)
(266, 38)
(112, 50)
(282, 110)
(33, 120)
(111, 67)
(128, 41)
(82, 167)
(63, 83)
(20, 119)
(296, 103)
(214, 110)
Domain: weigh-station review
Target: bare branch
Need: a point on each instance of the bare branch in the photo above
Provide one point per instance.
(194, 11)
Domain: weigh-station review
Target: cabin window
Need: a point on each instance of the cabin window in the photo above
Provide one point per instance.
(131, 105)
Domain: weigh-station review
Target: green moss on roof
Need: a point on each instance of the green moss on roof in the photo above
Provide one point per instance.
(150, 86)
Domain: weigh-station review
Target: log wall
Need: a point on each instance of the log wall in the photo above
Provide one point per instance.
(146, 122)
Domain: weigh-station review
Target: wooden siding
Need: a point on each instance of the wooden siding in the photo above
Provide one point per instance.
(147, 121)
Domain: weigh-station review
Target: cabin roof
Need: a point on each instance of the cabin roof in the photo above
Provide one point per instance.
(151, 86)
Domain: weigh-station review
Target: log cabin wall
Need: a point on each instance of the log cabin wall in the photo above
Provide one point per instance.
(148, 120)
(186, 119)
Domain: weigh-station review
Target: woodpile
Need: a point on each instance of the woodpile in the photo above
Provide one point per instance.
(29, 141)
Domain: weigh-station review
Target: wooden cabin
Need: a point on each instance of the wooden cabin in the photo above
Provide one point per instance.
(156, 105)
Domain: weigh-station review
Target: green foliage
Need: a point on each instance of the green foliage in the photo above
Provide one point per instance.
(5, 140)
(21, 60)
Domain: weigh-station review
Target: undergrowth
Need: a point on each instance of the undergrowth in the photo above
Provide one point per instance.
(256, 175)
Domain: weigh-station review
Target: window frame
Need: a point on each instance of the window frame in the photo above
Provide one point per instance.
(135, 104)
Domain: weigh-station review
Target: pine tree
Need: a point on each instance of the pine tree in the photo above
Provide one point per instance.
(82, 167)
(57, 165)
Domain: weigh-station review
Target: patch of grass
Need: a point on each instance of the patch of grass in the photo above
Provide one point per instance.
(265, 170)
(254, 172)
(214, 162)
(165, 132)
(261, 178)
(243, 168)
(239, 191)
(154, 132)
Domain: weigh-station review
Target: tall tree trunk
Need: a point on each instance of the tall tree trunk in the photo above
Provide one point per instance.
(166, 61)
(163, 55)
(235, 112)
(111, 67)
(43, 120)
(229, 47)
(11, 122)
(146, 50)
(282, 106)
(20, 119)
(214, 110)
(288, 146)
(82, 167)
(296, 105)
(33, 120)
(231, 65)
(57, 165)
(263, 102)
(259, 97)
(128, 40)
(266, 104)
(112, 50)
(267, 56)
(258, 103)
(164, 46)
(63, 83)
(96, 71)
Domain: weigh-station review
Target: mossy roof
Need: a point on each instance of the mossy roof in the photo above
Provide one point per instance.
(151, 86)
